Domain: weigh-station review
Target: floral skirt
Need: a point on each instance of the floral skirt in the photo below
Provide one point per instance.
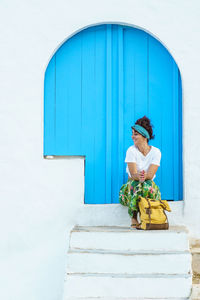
(130, 192)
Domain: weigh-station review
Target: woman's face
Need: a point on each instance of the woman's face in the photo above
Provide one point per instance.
(137, 138)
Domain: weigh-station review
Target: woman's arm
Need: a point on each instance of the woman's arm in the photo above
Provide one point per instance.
(133, 171)
(151, 172)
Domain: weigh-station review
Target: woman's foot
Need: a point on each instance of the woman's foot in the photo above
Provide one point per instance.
(134, 223)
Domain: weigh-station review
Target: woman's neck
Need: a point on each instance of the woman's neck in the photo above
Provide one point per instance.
(144, 148)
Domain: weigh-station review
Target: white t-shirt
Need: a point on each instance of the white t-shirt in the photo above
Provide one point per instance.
(142, 162)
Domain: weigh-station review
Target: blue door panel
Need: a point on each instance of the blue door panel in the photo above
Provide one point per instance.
(180, 146)
(96, 86)
(160, 85)
(68, 97)
(49, 108)
(99, 124)
(135, 78)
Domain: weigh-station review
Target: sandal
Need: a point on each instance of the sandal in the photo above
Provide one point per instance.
(138, 227)
(134, 225)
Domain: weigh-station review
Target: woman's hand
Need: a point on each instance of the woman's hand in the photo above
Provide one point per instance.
(142, 176)
(133, 171)
(151, 171)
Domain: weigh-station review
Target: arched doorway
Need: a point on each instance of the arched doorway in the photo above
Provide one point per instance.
(96, 85)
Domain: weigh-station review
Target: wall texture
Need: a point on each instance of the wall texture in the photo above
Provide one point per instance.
(42, 199)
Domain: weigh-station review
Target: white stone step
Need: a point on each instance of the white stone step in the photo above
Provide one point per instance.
(92, 261)
(120, 263)
(127, 239)
(195, 292)
(129, 286)
(117, 214)
(116, 298)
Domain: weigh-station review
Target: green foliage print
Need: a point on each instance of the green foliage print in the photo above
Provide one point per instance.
(130, 192)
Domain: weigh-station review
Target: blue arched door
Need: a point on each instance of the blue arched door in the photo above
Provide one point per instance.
(96, 86)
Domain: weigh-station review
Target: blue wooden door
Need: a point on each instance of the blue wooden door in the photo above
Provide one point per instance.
(97, 85)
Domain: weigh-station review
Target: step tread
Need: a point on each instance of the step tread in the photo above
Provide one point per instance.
(108, 262)
(113, 285)
(176, 229)
(121, 298)
(114, 275)
(130, 240)
(128, 253)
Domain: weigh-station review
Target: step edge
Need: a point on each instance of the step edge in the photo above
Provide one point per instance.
(121, 298)
(120, 275)
(137, 275)
(117, 229)
(127, 253)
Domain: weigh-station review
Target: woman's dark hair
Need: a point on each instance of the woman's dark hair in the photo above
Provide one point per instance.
(146, 123)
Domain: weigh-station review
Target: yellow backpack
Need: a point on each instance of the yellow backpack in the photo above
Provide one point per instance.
(152, 214)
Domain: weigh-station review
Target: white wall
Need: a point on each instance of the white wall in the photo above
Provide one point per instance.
(42, 199)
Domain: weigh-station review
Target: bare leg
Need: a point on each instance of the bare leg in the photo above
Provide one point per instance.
(134, 221)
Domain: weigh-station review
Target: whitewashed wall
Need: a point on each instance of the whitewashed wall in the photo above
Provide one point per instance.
(42, 199)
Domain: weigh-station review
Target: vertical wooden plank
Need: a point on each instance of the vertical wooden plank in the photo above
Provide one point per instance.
(108, 112)
(129, 91)
(175, 125)
(115, 96)
(167, 126)
(74, 96)
(88, 111)
(49, 108)
(68, 95)
(161, 106)
(141, 82)
(120, 170)
(100, 119)
(154, 101)
(62, 100)
(135, 81)
(180, 141)
(117, 161)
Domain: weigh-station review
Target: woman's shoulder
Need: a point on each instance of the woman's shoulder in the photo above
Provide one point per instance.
(131, 155)
(132, 149)
(156, 150)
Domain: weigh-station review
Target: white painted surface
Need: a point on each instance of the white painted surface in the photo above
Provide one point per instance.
(126, 239)
(104, 261)
(117, 215)
(111, 286)
(41, 200)
(120, 298)
(195, 292)
(149, 263)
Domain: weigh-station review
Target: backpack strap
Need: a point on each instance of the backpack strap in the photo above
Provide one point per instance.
(164, 211)
(149, 208)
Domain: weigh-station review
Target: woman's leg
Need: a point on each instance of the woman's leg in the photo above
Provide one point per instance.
(128, 196)
(151, 190)
(134, 221)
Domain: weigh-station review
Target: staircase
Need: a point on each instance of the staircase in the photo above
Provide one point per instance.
(120, 263)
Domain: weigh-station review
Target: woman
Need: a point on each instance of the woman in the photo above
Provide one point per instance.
(142, 161)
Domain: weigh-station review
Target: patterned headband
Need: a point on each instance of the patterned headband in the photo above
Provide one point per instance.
(141, 130)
